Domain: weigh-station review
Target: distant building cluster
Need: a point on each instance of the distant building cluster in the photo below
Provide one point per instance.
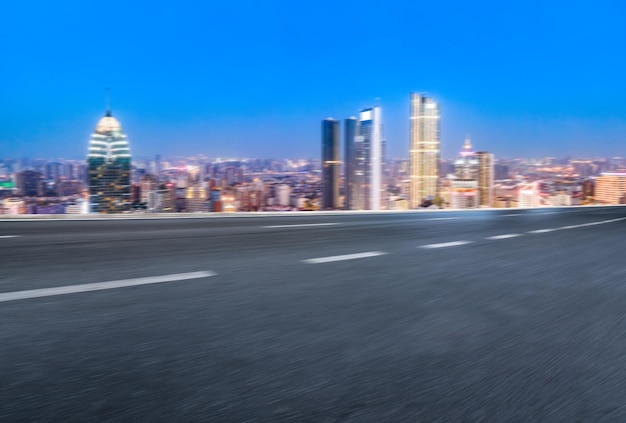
(364, 179)
(353, 173)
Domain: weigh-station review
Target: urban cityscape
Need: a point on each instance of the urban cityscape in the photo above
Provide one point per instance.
(111, 180)
(329, 211)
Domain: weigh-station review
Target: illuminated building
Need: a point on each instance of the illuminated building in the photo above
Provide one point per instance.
(196, 198)
(464, 186)
(353, 165)
(610, 188)
(424, 149)
(485, 179)
(364, 164)
(371, 131)
(109, 167)
(330, 163)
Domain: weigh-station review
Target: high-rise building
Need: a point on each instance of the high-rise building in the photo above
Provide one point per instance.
(485, 179)
(369, 153)
(424, 149)
(352, 172)
(109, 167)
(363, 160)
(330, 163)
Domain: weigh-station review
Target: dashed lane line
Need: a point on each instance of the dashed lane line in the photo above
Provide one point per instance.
(505, 236)
(10, 236)
(445, 244)
(99, 286)
(582, 225)
(541, 231)
(344, 257)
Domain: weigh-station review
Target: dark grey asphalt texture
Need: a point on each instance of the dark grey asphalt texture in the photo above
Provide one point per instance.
(524, 329)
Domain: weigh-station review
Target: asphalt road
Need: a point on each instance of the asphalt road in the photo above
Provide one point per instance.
(482, 316)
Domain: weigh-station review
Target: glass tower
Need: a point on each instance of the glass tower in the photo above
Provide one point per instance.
(369, 153)
(109, 167)
(350, 163)
(330, 163)
(424, 151)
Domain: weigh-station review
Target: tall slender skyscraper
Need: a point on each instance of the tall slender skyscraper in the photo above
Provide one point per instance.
(330, 163)
(424, 151)
(485, 179)
(371, 137)
(109, 167)
(350, 163)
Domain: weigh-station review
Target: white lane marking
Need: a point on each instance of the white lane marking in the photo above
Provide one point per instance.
(98, 286)
(446, 244)
(301, 225)
(541, 214)
(505, 236)
(512, 214)
(10, 236)
(344, 257)
(582, 225)
(443, 218)
(600, 222)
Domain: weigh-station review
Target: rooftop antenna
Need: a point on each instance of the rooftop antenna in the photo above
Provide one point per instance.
(107, 100)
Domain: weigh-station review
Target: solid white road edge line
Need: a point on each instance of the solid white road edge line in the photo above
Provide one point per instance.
(446, 244)
(300, 225)
(344, 257)
(98, 286)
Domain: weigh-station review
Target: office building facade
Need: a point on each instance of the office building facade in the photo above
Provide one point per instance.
(610, 188)
(353, 175)
(485, 179)
(424, 149)
(330, 164)
(109, 163)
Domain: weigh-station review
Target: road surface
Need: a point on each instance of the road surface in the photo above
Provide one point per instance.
(482, 316)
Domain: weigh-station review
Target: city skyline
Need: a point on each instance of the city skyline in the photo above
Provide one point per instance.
(527, 80)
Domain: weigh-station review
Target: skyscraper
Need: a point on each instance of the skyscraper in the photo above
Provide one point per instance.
(424, 149)
(370, 153)
(351, 175)
(485, 179)
(109, 167)
(330, 163)
(364, 160)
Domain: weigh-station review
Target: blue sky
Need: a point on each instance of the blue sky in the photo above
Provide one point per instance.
(255, 78)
